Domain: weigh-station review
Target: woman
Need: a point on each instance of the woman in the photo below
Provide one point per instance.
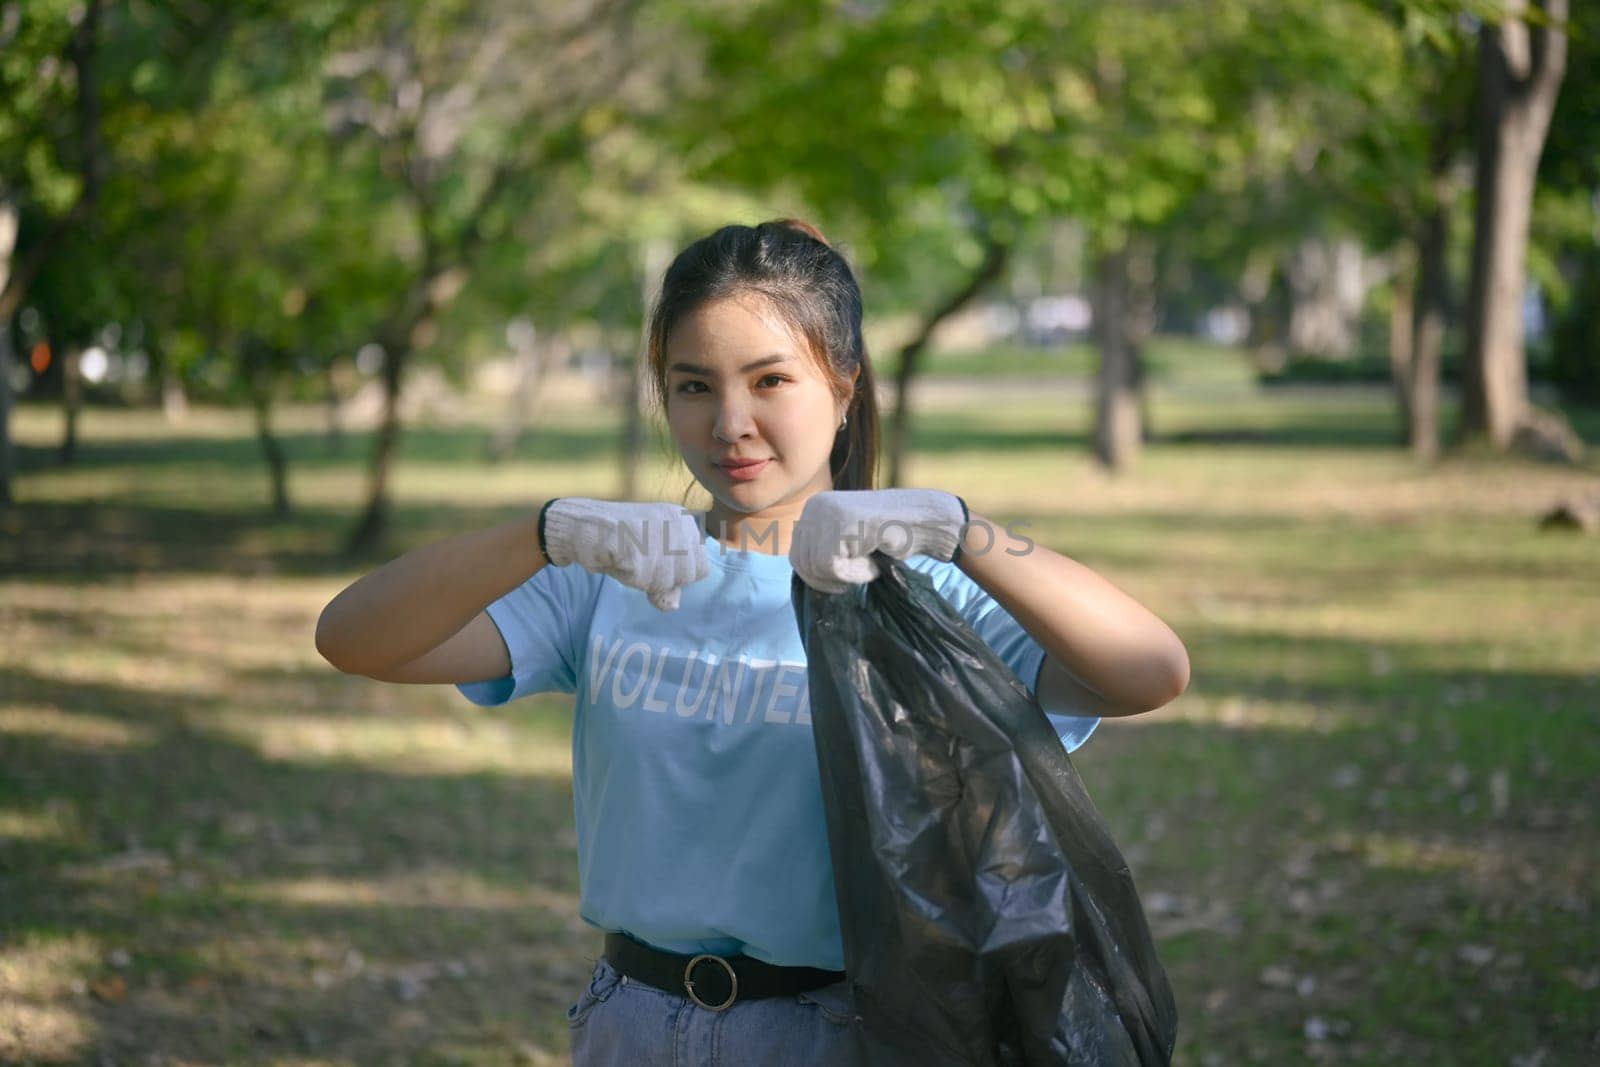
(701, 839)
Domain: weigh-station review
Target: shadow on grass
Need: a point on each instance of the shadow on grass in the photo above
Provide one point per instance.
(324, 907)
(1326, 435)
(1288, 559)
(1313, 840)
(1328, 810)
(1351, 875)
(80, 543)
(418, 444)
(934, 433)
(85, 542)
(245, 908)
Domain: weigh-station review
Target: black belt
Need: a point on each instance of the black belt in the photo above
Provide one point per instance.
(714, 982)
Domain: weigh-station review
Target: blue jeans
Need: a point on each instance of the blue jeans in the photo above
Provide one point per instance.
(618, 1022)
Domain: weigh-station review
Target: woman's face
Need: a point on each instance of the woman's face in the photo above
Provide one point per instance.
(750, 410)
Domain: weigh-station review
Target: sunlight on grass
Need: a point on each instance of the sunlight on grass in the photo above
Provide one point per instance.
(74, 728)
(1236, 713)
(175, 677)
(205, 598)
(1388, 742)
(1185, 487)
(19, 825)
(166, 633)
(1403, 852)
(416, 889)
(43, 998)
(401, 745)
(42, 1033)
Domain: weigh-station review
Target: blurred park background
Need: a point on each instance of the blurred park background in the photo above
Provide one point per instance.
(1284, 314)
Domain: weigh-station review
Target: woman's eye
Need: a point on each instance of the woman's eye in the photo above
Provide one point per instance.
(694, 387)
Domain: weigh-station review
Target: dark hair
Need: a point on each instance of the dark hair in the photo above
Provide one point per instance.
(789, 263)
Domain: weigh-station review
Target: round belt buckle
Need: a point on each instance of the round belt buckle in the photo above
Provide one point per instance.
(733, 979)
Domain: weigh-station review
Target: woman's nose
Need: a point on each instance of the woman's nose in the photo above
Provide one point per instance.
(733, 421)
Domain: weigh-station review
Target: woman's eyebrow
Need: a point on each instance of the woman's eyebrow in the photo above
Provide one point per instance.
(765, 361)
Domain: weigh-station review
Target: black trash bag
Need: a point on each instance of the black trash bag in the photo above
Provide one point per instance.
(987, 916)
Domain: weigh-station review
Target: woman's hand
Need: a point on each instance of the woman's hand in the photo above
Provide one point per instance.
(656, 548)
(839, 530)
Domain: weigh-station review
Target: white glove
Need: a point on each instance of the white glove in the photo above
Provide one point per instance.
(656, 548)
(839, 529)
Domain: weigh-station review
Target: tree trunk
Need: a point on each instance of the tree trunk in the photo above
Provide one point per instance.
(1123, 316)
(1519, 74)
(174, 400)
(1327, 284)
(83, 51)
(6, 461)
(370, 532)
(1401, 327)
(71, 400)
(632, 400)
(272, 452)
(995, 255)
(1117, 435)
(333, 434)
(8, 244)
(167, 384)
(1265, 293)
(411, 324)
(1430, 310)
(259, 381)
(1421, 336)
(529, 373)
(656, 258)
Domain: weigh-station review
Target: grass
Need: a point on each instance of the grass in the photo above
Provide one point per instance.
(1365, 835)
(1169, 360)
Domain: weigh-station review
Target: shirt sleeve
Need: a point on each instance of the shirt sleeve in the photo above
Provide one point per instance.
(1006, 637)
(543, 622)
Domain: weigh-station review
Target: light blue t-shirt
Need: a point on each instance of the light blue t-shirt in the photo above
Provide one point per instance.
(698, 800)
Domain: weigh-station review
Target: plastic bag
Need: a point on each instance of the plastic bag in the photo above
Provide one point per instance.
(987, 916)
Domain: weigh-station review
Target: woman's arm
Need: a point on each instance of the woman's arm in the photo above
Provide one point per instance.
(412, 606)
(1099, 642)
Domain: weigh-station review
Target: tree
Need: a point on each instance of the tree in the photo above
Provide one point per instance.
(84, 83)
(891, 123)
(460, 114)
(50, 134)
(250, 242)
(1522, 58)
(1412, 177)
(989, 121)
(1565, 250)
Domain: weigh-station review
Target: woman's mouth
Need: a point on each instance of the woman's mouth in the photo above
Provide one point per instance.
(743, 471)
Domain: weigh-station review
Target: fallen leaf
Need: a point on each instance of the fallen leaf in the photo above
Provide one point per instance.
(111, 989)
(1277, 977)
(1159, 903)
(1499, 791)
(1587, 981)
(1319, 1029)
